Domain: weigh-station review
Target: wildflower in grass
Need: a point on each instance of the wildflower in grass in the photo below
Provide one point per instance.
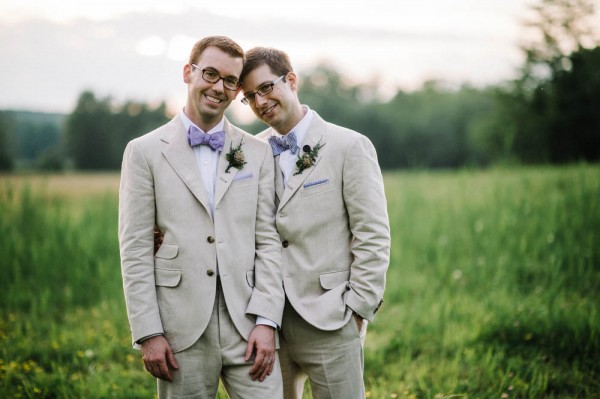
(457, 274)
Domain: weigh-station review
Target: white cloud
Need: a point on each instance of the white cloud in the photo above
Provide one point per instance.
(397, 43)
(151, 46)
(179, 47)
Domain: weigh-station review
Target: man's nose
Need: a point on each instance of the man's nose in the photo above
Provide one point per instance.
(259, 100)
(219, 85)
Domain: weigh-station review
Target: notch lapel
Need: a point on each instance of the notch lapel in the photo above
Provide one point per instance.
(315, 132)
(278, 179)
(223, 180)
(182, 159)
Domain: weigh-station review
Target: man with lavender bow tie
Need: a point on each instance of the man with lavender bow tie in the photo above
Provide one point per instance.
(334, 228)
(207, 305)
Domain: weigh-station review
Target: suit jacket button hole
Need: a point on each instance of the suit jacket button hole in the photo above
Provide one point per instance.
(210, 272)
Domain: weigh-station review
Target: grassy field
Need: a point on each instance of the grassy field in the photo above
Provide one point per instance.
(493, 289)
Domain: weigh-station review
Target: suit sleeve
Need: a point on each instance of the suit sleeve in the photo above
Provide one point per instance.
(268, 297)
(366, 204)
(136, 223)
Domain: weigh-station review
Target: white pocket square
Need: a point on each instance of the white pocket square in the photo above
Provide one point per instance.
(243, 176)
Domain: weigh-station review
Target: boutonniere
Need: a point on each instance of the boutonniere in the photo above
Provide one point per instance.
(235, 157)
(308, 158)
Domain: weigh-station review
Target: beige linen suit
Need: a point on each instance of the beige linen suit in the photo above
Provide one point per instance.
(333, 223)
(174, 292)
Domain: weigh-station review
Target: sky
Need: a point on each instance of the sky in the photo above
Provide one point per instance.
(51, 51)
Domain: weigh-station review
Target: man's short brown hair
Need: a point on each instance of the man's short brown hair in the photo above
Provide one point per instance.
(223, 43)
(277, 60)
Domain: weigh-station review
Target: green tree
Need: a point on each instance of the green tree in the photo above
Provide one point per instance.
(131, 120)
(573, 117)
(89, 133)
(98, 130)
(558, 28)
(6, 146)
(531, 114)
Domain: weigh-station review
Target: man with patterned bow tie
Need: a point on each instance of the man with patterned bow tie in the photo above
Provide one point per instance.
(334, 228)
(208, 303)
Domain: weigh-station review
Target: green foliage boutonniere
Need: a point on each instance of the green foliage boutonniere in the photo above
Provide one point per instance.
(308, 158)
(235, 157)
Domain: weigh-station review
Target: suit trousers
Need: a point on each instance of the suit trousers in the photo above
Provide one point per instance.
(332, 360)
(218, 353)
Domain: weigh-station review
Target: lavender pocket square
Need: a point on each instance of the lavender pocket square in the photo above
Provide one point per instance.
(316, 183)
(243, 176)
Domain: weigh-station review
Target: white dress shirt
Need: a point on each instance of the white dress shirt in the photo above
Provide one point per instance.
(206, 159)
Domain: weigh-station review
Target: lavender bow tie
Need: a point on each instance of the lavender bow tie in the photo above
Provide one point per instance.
(198, 137)
(280, 144)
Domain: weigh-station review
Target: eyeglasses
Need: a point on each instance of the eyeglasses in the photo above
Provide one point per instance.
(212, 76)
(262, 91)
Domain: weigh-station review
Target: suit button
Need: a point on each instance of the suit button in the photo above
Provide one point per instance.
(285, 243)
(210, 272)
(210, 239)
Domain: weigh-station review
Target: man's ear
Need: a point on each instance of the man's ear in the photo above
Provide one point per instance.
(187, 71)
(293, 79)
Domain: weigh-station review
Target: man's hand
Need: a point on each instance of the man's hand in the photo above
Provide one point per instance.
(158, 357)
(261, 342)
(158, 238)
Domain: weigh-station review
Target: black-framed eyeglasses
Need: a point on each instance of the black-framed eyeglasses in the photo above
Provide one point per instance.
(212, 76)
(262, 91)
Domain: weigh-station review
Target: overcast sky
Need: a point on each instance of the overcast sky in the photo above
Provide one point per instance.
(50, 51)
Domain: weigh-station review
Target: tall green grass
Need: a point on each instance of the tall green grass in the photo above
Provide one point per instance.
(492, 291)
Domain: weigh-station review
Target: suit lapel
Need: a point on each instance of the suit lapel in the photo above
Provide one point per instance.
(315, 133)
(278, 179)
(222, 179)
(182, 159)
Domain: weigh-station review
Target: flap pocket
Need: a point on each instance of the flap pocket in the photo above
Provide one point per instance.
(167, 277)
(250, 278)
(167, 251)
(333, 279)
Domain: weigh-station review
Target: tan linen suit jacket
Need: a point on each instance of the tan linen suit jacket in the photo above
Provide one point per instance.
(174, 292)
(334, 227)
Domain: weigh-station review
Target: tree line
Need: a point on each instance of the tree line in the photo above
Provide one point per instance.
(549, 114)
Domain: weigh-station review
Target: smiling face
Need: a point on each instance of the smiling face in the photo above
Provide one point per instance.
(280, 108)
(206, 101)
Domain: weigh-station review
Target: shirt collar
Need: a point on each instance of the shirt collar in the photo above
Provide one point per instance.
(301, 127)
(187, 123)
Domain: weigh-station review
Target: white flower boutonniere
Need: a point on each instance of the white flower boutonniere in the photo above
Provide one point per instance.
(308, 158)
(235, 157)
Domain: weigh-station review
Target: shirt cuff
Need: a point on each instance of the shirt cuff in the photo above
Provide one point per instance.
(265, 321)
(139, 341)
